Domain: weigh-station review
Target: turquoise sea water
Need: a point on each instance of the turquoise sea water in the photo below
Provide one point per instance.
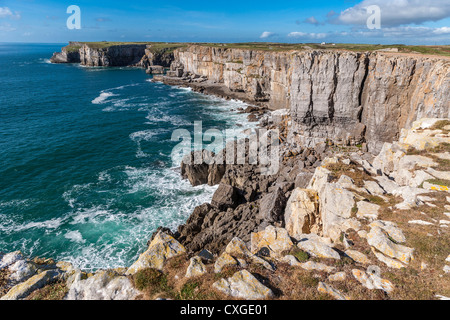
(85, 157)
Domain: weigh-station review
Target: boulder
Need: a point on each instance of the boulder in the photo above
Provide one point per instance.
(391, 263)
(340, 276)
(379, 239)
(372, 279)
(103, 285)
(336, 205)
(224, 260)
(276, 240)
(38, 281)
(225, 197)
(317, 248)
(162, 247)
(10, 258)
(243, 285)
(357, 256)
(196, 268)
(317, 266)
(327, 289)
(302, 179)
(420, 136)
(374, 188)
(237, 248)
(20, 271)
(368, 210)
(272, 206)
(302, 212)
(392, 230)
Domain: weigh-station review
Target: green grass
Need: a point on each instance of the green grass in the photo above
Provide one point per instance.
(301, 255)
(152, 281)
(440, 182)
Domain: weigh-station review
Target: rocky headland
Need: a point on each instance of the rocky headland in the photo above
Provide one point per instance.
(359, 208)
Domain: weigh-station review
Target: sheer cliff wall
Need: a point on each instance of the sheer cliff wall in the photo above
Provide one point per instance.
(337, 95)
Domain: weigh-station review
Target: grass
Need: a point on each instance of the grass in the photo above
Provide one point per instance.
(54, 291)
(351, 170)
(192, 290)
(442, 164)
(301, 255)
(440, 182)
(440, 125)
(151, 282)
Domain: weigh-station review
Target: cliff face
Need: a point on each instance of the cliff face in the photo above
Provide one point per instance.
(264, 76)
(163, 58)
(344, 96)
(112, 56)
(69, 54)
(338, 95)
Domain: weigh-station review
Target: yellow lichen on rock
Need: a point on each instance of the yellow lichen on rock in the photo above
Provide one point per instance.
(162, 247)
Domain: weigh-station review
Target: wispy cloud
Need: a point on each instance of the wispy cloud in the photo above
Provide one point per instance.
(267, 34)
(6, 12)
(298, 34)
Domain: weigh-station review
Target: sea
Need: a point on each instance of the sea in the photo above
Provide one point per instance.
(87, 168)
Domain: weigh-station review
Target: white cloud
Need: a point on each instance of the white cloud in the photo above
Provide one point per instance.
(396, 12)
(267, 34)
(298, 34)
(6, 12)
(400, 33)
(443, 30)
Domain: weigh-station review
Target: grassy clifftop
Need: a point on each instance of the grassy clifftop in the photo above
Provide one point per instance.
(275, 47)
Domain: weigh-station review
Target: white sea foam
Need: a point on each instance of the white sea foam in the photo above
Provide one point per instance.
(75, 236)
(103, 97)
(146, 135)
(107, 231)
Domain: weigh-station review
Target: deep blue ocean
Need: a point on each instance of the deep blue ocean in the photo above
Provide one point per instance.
(86, 173)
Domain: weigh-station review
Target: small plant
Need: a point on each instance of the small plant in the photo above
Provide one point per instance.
(345, 261)
(354, 210)
(375, 199)
(190, 291)
(151, 280)
(440, 182)
(301, 255)
(308, 280)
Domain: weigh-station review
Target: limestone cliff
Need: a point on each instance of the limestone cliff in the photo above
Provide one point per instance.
(338, 95)
(111, 56)
(345, 96)
(68, 54)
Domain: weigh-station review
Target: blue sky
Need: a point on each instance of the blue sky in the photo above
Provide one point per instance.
(402, 21)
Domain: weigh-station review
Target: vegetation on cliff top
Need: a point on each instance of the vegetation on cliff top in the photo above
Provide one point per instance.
(275, 47)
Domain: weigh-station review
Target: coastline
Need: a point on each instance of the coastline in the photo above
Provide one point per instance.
(332, 212)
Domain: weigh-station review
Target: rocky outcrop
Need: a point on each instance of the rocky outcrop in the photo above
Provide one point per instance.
(112, 56)
(68, 54)
(243, 285)
(162, 247)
